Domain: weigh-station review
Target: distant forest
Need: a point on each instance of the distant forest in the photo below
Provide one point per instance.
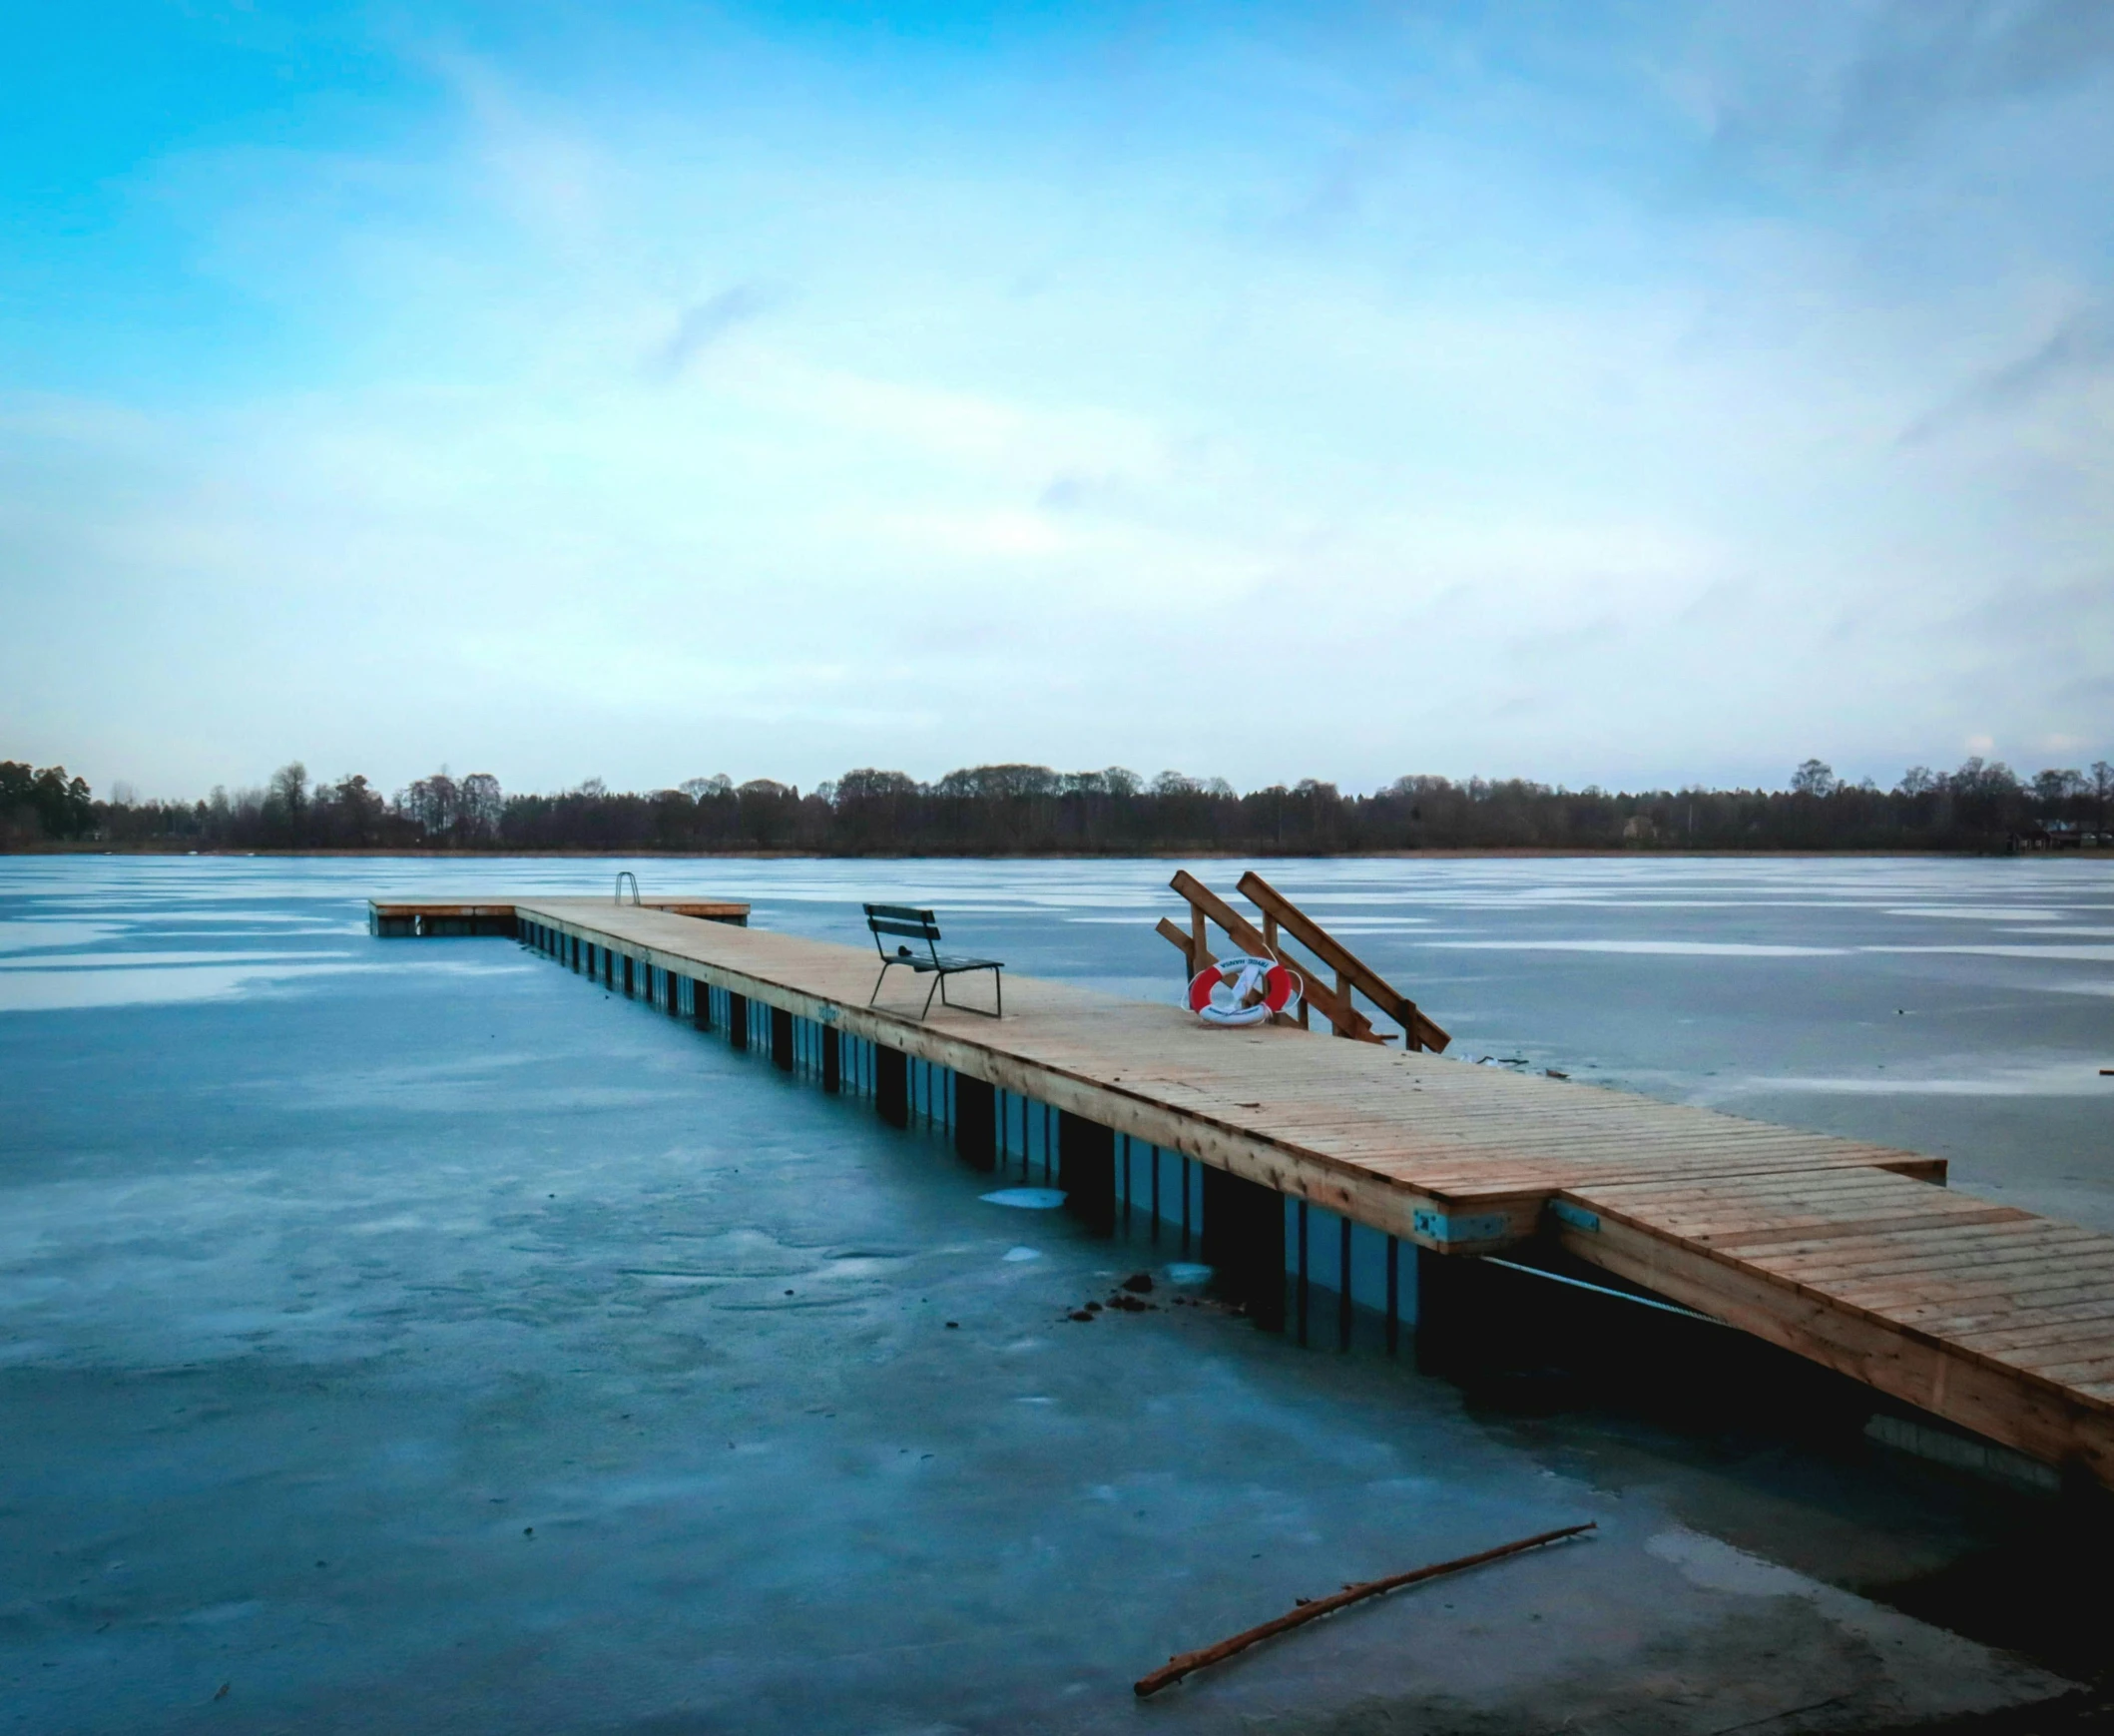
(1033, 810)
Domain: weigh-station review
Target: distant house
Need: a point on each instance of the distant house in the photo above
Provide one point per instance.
(2059, 835)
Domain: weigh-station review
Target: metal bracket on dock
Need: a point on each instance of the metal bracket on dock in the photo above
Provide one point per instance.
(1488, 1227)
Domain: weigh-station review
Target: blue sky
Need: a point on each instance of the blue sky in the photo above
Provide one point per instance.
(1598, 392)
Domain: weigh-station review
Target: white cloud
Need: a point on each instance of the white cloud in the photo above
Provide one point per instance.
(609, 430)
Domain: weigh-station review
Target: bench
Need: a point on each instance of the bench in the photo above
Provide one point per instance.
(899, 920)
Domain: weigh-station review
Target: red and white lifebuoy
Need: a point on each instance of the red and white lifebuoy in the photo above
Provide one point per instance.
(1243, 990)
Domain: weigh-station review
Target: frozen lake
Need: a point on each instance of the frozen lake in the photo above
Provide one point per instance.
(408, 1336)
(1956, 1006)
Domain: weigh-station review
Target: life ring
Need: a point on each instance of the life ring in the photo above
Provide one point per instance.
(1243, 990)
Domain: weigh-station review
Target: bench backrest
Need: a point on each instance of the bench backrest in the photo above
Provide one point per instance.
(905, 921)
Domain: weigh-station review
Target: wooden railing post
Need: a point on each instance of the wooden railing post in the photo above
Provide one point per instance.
(1405, 1015)
(1269, 941)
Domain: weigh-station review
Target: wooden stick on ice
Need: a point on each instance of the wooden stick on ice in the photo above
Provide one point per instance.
(1177, 1667)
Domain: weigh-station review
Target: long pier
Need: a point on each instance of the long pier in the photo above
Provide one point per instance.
(1851, 1255)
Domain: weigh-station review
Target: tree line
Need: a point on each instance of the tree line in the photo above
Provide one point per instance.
(1020, 810)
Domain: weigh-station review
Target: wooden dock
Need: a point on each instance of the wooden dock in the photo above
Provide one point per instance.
(433, 918)
(1852, 1255)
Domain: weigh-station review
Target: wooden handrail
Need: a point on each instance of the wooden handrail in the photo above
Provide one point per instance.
(1423, 1033)
(1335, 1008)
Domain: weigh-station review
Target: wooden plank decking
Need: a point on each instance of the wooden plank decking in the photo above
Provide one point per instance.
(1844, 1252)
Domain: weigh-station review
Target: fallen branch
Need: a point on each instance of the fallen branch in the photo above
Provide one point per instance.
(1177, 1667)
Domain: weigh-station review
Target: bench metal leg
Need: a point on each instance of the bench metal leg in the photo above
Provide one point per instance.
(939, 990)
(997, 989)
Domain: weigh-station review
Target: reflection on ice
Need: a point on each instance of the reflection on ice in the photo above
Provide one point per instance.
(1670, 949)
(26, 987)
(36, 935)
(60, 990)
(137, 960)
(1979, 912)
(2090, 955)
(2078, 1078)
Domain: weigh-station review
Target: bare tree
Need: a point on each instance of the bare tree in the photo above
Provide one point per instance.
(432, 805)
(1813, 777)
(481, 807)
(2053, 788)
(359, 810)
(287, 802)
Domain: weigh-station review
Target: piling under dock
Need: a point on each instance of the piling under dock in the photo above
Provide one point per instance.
(1852, 1255)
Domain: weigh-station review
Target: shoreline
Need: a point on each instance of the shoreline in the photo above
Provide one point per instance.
(1213, 852)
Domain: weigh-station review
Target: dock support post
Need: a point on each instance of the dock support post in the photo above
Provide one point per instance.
(701, 1004)
(1244, 1241)
(1444, 1311)
(675, 995)
(627, 977)
(738, 1020)
(1302, 1279)
(975, 1122)
(892, 1085)
(782, 1039)
(1395, 1293)
(1343, 1307)
(1086, 1169)
(833, 1060)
